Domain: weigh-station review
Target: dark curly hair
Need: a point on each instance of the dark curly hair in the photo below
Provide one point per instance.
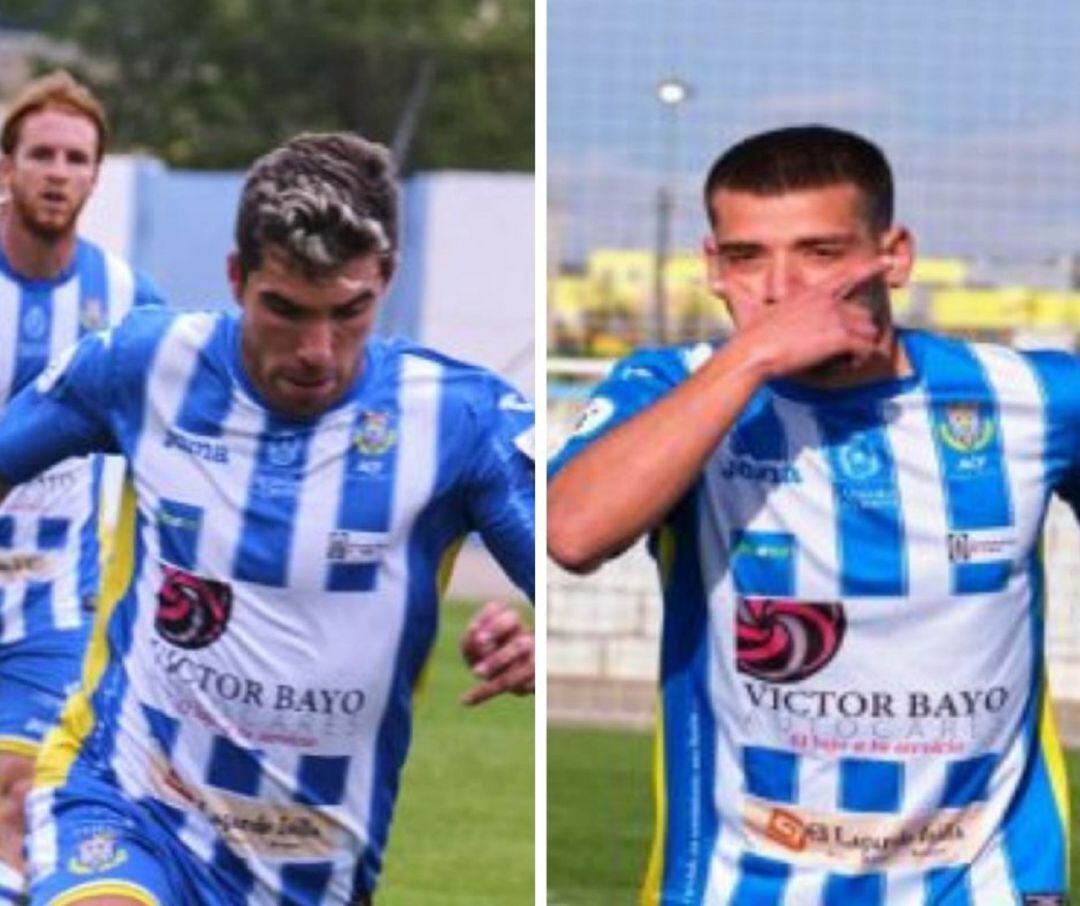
(322, 199)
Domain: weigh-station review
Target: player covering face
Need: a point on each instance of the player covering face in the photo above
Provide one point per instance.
(299, 486)
(825, 493)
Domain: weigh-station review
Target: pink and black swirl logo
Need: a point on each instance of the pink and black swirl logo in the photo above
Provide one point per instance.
(192, 611)
(785, 641)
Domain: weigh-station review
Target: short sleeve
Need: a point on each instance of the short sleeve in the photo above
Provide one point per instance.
(633, 384)
(1059, 378)
(64, 413)
(500, 479)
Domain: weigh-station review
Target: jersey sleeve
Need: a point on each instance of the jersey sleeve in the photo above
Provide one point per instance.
(1059, 376)
(146, 293)
(500, 481)
(64, 413)
(633, 384)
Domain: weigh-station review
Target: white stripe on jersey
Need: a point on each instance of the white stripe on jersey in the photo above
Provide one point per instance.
(65, 318)
(9, 312)
(121, 283)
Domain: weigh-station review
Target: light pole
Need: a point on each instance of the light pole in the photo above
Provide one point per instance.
(671, 93)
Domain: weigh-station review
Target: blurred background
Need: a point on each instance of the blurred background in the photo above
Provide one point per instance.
(977, 107)
(195, 91)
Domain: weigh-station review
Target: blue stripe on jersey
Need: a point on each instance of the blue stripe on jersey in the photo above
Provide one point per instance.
(231, 870)
(847, 890)
(761, 882)
(967, 438)
(759, 433)
(870, 543)
(7, 531)
(368, 488)
(96, 305)
(968, 781)
(37, 608)
(266, 532)
(163, 729)
(35, 328)
(689, 724)
(52, 533)
(305, 883)
(430, 538)
(763, 563)
(206, 400)
(179, 526)
(771, 774)
(89, 553)
(321, 779)
(867, 785)
(1035, 840)
(233, 767)
(948, 887)
(107, 699)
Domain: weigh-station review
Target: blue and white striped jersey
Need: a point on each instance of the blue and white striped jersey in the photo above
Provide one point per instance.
(251, 686)
(854, 705)
(48, 526)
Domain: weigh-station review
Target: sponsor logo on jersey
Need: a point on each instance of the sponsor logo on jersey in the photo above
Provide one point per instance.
(35, 324)
(376, 434)
(859, 461)
(745, 468)
(275, 831)
(965, 429)
(594, 416)
(981, 546)
(211, 451)
(859, 843)
(97, 852)
(192, 612)
(785, 641)
(356, 547)
(283, 451)
(92, 315)
(24, 566)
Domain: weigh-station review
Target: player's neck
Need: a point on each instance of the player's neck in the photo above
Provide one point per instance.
(32, 255)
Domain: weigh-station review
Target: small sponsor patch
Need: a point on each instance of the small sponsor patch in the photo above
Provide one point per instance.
(966, 428)
(981, 546)
(97, 852)
(594, 416)
(376, 434)
(356, 547)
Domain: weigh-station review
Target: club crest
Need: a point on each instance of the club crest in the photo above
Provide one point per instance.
(965, 428)
(376, 434)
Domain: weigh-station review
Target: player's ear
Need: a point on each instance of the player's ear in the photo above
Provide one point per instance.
(898, 245)
(235, 274)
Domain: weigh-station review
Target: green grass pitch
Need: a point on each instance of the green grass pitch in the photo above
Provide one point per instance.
(463, 832)
(600, 816)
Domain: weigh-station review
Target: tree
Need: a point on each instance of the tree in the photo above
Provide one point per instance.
(214, 83)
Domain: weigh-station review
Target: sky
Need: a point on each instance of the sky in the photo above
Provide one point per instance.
(976, 103)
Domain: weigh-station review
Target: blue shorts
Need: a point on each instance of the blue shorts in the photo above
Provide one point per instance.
(95, 841)
(36, 675)
(88, 838)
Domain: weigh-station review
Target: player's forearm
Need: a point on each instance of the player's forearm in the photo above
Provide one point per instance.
(624, 484)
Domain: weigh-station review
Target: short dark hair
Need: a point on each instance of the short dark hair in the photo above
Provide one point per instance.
(58, 90)
(323, 199)
(806, 157)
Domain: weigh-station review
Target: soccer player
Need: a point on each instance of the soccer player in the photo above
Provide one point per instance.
(54, 288)
(299, 488)
(847, 520)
